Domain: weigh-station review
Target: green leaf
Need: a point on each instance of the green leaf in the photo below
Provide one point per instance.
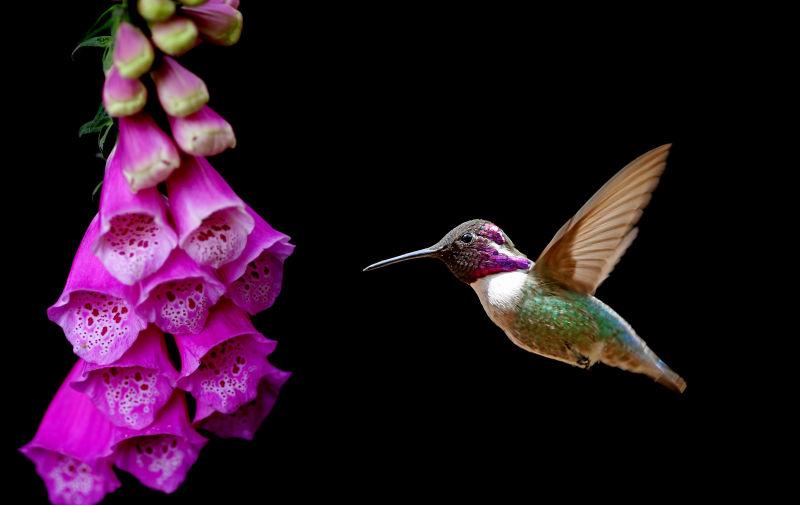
(101, 140)
(105, 41)
(96, 189)
(101, 120)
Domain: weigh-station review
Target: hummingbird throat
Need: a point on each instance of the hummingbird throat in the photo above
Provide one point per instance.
(491, 260)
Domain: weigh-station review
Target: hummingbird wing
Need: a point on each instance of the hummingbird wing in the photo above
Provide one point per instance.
(586, 248)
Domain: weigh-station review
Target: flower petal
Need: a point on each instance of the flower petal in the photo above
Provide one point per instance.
(211, 220)
(132, 390)
(148, 154)
(219, 23)
(135, 236)
(71, 448)
(133, 53)
(174, 36)
(254, 278)
(178, 297)
(162, 454)
(204, 133)
(223, 364)
(180, 91)
(123, 96)
(95, 310)
(244, 422)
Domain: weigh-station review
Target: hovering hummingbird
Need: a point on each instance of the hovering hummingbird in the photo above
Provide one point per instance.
(548, 307)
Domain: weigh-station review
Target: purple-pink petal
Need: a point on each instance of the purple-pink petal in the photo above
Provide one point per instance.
(135, 236)
(95, 310)
(148, 155)
(72, 447)
(254, 278)
(132, 390)
(178, 297)
(244, 422)
(211, 220)
(180, 91)
(204, 133)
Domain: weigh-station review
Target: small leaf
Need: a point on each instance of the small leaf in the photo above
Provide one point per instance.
(101, 140)
(96, 189)
(101, 120)
(105, 41)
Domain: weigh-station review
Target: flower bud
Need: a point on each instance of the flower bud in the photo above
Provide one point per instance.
(180, 92)
(155, 10)
(133, 53)
(219, 23)
(121, 96)
(204, 133)
(174, 36)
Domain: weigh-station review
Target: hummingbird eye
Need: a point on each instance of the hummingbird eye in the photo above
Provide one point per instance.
(466, 238)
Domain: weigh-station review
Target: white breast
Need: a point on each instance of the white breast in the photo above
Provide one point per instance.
(500, 294)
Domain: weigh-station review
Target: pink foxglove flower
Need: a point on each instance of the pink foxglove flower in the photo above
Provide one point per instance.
(135, 235)
(72, 448)
(223, 364)
(155, 10)
(254, 278)
(174, 36)
(133, 53)
(204, 133)
(161, 454)
(180, 92)
(148, 154)
(132, 390)
(95, 310)
(219, 23)
(211, 220)
(123, 96)
(179, 296)
(244, 421)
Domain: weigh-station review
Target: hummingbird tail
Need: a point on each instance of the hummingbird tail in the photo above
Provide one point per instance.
(669, 378)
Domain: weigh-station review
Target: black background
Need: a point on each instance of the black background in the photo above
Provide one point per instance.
(368, 133)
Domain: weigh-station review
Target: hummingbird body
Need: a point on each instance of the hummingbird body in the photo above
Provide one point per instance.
(548, 307)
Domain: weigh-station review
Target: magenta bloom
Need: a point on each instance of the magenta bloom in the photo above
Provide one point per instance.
(161, 454)
(95, 310)
(254, 278)
(72, 448)
(180, 92)
(135, 236)
(148, 154)
(244, 422)
(211, 220)
(133, 53)
(204, 133)
(132, 390)
(174, 36)
(178, 297)
(223, 364)
(219, 23)
(123, 96)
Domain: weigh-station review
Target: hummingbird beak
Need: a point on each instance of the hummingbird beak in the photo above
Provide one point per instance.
(422, 253)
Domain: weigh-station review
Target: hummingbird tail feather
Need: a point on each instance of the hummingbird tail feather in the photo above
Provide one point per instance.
(670, 379)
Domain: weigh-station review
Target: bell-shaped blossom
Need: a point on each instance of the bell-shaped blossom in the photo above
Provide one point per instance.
(135, 235)
(123, 96)
(219, 23)
(72, 448)
(244, 421)
(161, 454)
(148, 155)
(155, 10)
(179, 296)
(253, 279)
(133, 53)
(132, 390)
(180, 91)
(211, 221)
(222, 365)
(204, 133)
(95, 310)
(174, 36)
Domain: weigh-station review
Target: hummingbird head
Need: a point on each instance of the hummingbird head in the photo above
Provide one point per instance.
(471, 250)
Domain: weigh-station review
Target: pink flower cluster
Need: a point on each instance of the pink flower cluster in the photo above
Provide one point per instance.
(192, 263)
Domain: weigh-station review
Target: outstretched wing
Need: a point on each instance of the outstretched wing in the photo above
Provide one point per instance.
(586, 248)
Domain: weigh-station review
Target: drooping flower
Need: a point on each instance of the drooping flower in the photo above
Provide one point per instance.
(148, 155)
(161, 454)
(132, 390)
(180, 91)
(95, 310)
(123, 96)
(174, 36)
(219, 23)
(204, 133)
(223, 364)
(244, 421)
(133, 53)
(155, 10)
(179, 296)
(135, 235)
(254, 278)
(211, 221)
(72, 448)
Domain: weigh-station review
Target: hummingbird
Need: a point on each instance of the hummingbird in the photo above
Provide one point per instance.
(548, 307)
